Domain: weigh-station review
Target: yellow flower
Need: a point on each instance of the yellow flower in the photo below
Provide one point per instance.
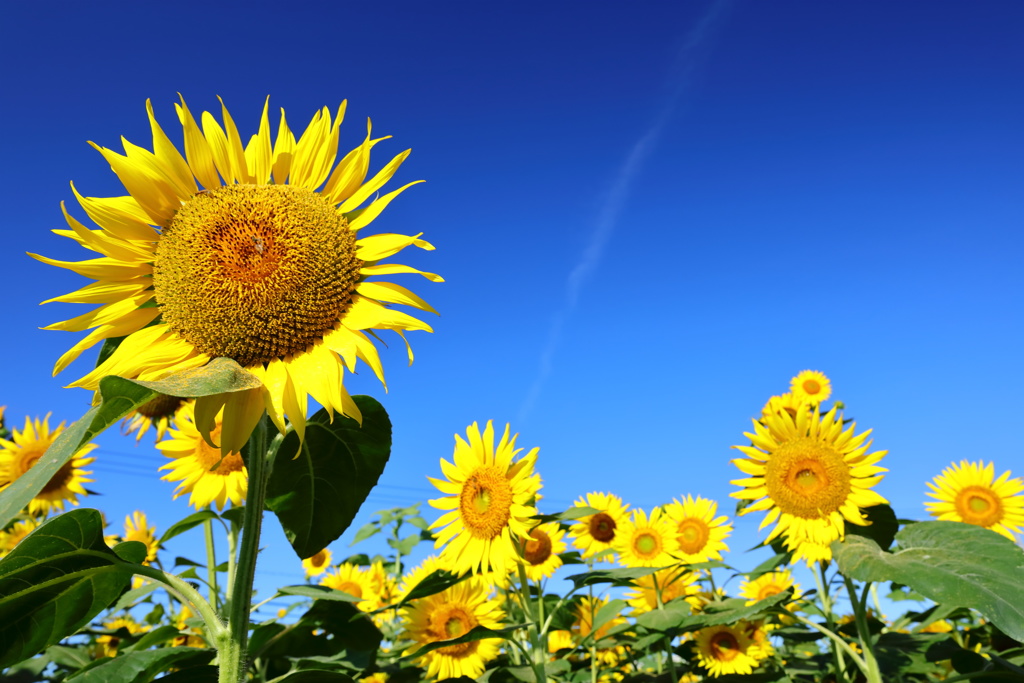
(671, 583)
(767, 585)
(811, 386)
(24, 450)
(560, 639)
(541, 551)
(726, 650)
(108, 644)
(595, 533)
(700, 534)
(488, 503)
(584, 634)
(318, 564)
(14, 534)
(195, 464)
(414, 576)
(136, 528)
(810, 475)
(157, 413)
(643, 542)
(247, 252)
(355, 581)
(447, 615)
(969, 492)
(788, 402)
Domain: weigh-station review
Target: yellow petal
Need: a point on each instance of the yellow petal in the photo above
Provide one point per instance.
(376, 247)
(242, 411)
(392, 293)
(395, 269)
(360, 218)
(366, 190)
(197, 149)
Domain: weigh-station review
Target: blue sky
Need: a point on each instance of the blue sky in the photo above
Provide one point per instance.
(649, 215)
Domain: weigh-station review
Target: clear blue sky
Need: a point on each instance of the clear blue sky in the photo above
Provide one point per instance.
(650, 216)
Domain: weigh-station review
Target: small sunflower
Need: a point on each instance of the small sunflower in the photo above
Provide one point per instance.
(767, 585)
(194, 463)
(788, 402)
(643, 542)
(357, 582)
(969, 492)
(584, 634)
(450, 614)
(595, 533)
(811, 386)
(107, 644)
(672, 583)
(136, 528)
(726, 650)
(14, 534)
(23, 451)
(810, 475)
(488, 503)
(157, 413)
(247, 252)
(700, 534)
(317, 564)
(541, 551)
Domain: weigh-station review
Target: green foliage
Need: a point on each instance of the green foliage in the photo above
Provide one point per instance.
(141, 666)
(953, 563)
(881, 529)
(317, 494)
(56, 580)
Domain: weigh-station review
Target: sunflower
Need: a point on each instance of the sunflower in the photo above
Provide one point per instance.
(811, 386)
(541, 551)
(261, 265)
(136, 528)
(449, 614)
(157, 413)
(24, 450)
(317, 564)
(195, 464)
(595, 533)
(767, 585)
(789, 402)
(969, 492)
(584, 634)
(671, 583)
(726, 650)
(488, 504)
(356, 581)
(107, 644)
(810, 475)
(560, 639)
(700, 534)
(14, 534)
(417, 574)
(643, 542)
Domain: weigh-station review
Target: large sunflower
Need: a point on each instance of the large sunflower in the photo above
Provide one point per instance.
(24, 450)
(449, 614)
(204, 475)
(595, 533)
(810, 475)
(247, 252)
(488, 504)
(969, 492)
(701, 535)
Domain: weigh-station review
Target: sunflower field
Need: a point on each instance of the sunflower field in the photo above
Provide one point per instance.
(235, 282)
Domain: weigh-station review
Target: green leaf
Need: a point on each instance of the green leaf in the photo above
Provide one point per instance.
(317, 494)
(432, 584)
(195, 674)
(951, 563)
(193, 520)
(142, 666)
(313, 676)
(54, 582)
(478, 632)
(349, 627)
(366, 531)
(671, 616)
(131, 551)
(118, 397)
(155, 637)
(573, 513)
(882, 529)
(318, 593)
(620, 576)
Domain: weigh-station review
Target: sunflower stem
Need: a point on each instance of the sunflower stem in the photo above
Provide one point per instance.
(667, 639)
(188, 596)
(211, 563)
(836, 641)
(232, 556)
(826, 609)
(232, 648)
(538, 653)
(873, 674)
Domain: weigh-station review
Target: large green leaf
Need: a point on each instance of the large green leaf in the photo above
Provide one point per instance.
(142, 666)
(54, 582)
(478, 632)
(317, 493)
(951, 563)
(118, 397)
(620, 576)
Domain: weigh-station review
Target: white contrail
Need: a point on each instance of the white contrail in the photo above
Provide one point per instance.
(681, 76)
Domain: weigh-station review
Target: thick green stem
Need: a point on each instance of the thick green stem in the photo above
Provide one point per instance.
(667, 639)
(860, 612)
(538, 653)
(188, 596)
(232, 560)
(826, 608)
(837, 641)
(231, 650)
(211, 563)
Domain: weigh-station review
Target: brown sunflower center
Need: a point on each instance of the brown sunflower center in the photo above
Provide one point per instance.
(318, 560)
(352, 588)
(724, 646)
(807, 478)
(647, 544)
(485, 502)
(451, 621)
(255, 272)
(602, 527)
(161, 407)
(768, 591)
(538, 548)
(208, 457)
(59, 480)
(693, 535)
(979, 505)
(811, 387)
